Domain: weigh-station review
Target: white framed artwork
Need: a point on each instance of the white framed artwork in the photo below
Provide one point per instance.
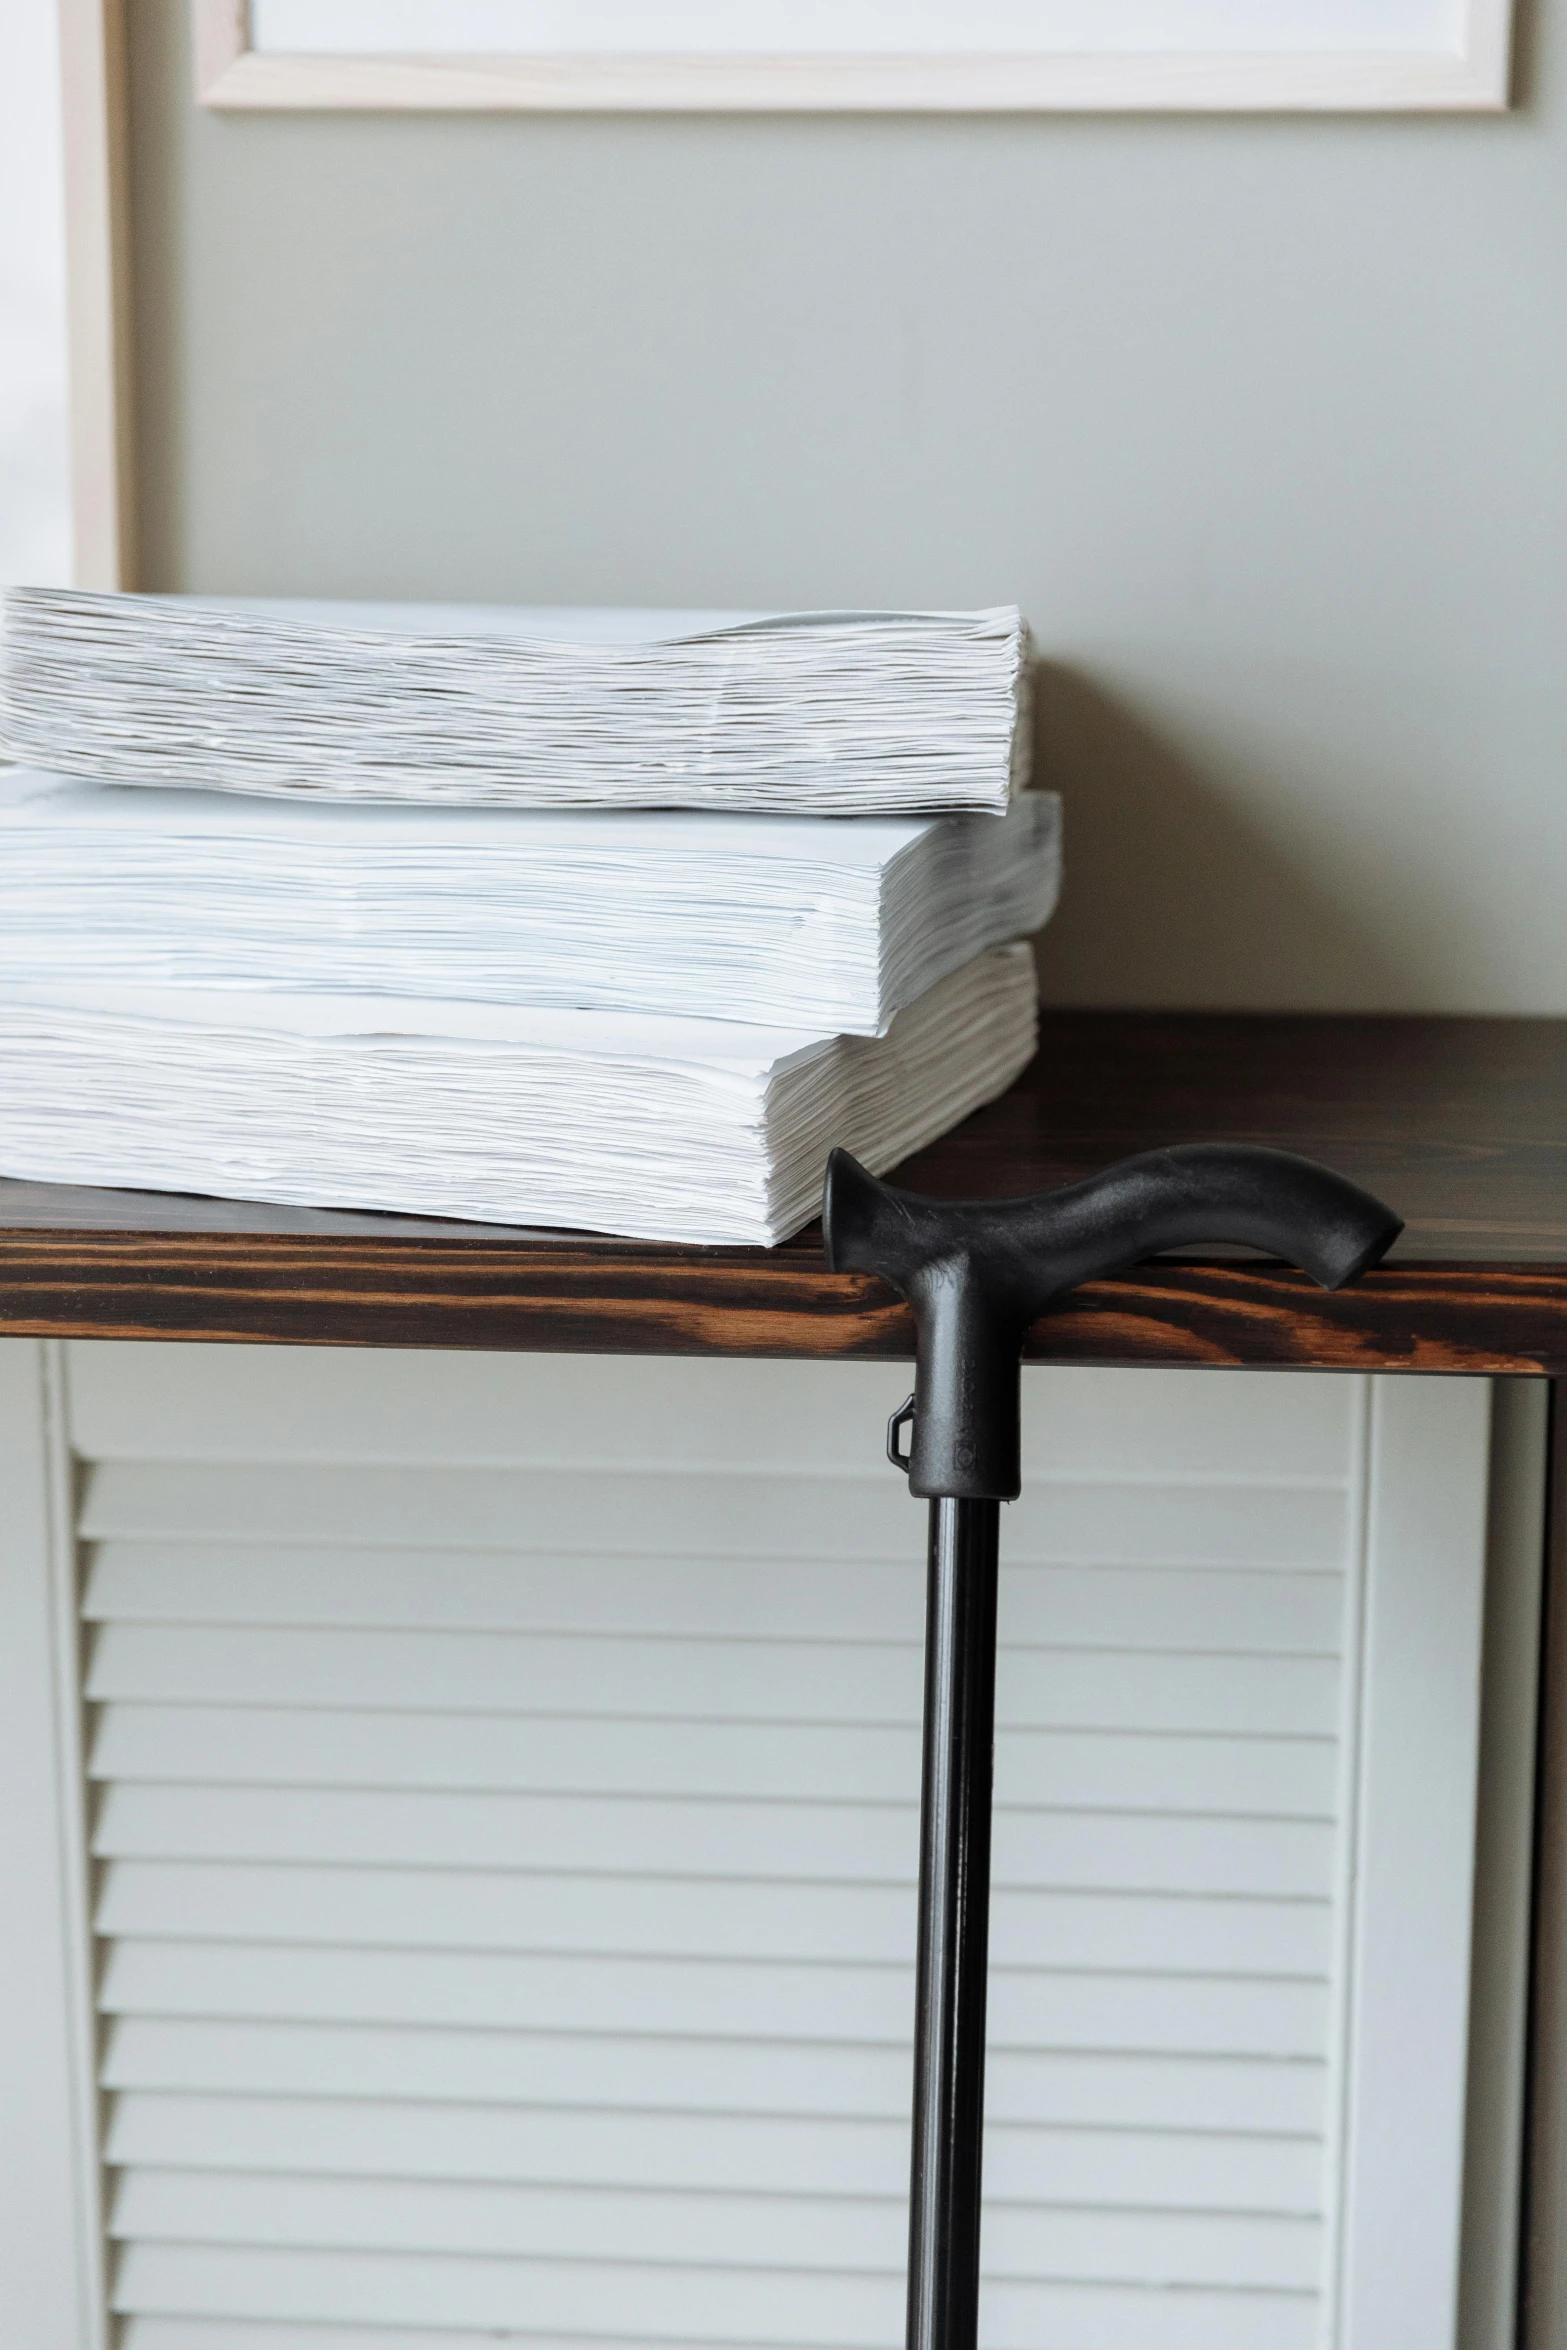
(886, 56)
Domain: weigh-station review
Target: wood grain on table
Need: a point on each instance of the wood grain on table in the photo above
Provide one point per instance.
(1460, 1124)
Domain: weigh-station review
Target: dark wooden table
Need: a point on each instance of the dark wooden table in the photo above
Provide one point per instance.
(1461, 1125)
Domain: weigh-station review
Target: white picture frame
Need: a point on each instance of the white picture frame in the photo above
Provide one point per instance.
(1463, 66)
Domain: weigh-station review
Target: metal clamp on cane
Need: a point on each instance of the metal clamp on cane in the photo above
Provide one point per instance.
(977, 1273)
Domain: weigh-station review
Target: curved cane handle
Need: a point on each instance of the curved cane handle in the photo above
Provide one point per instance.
(978, 1272)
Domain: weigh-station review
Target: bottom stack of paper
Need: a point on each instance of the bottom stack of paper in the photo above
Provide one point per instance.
(670, 1129)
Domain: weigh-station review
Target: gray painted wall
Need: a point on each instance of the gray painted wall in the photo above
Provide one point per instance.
(1264, 423)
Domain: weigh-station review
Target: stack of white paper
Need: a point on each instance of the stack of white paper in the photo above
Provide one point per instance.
(827, 713)
(613, 1122)
(610, 920)
(784, 920)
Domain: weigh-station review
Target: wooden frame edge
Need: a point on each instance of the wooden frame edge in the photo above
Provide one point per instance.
(56, 2280)
(74, 1812)
(97, 256)
(220, 42)
(1496, 2098)
(1424, 1534)
(232, 77)
(1542, 2315)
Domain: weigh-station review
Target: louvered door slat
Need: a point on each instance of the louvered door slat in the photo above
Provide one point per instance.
(1099, 2088)
(1099, 1848)
(278, 1746)
(700, 1917)
(697, 2303)
(1170, 2169)
(1090, 2318)
(727, 1515)
(1127, 1688)
(1140, 2007)
(1245, 1607)
(790, 2234)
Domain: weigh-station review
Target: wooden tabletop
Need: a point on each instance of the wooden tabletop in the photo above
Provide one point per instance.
(1460, 1125)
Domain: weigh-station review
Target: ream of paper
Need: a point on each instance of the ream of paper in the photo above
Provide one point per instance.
(830, 924)
(817, 713)
(677, 1130)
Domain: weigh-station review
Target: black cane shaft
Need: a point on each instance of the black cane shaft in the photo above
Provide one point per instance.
(954, 1926)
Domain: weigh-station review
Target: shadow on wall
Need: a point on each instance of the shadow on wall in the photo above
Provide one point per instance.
(1173, 896)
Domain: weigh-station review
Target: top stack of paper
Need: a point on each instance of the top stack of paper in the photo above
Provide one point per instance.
(820, 713)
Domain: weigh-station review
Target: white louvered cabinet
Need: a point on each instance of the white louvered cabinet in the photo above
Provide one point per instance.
(501, 1790)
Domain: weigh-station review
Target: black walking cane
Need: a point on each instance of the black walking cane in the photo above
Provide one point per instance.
(977, 1273)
